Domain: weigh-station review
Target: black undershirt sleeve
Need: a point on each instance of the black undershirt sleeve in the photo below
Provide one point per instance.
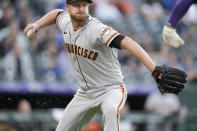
(59, 13)
(116, 41)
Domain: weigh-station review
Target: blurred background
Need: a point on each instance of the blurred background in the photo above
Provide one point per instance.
(37, 80)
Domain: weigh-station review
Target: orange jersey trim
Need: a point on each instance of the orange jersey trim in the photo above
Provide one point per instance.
(57, 20)
(119, 108)
(111, 38)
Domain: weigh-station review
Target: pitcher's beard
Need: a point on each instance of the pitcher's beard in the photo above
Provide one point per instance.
(80, 18)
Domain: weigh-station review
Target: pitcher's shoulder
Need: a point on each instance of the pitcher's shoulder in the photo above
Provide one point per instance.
(62, 16)
(95, 25)
(94, 22)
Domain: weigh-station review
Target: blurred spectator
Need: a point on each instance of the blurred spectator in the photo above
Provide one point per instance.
(19, 61)
(24, 109)
(165, 105)
(7, 33)
(152, 14)
(20, 65)
(107, 12)
(51, 70)
(152, 10)
(125, 7)
(7, 14)
(24, 106)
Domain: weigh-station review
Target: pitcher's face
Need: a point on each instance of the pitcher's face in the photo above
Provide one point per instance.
(79, 10)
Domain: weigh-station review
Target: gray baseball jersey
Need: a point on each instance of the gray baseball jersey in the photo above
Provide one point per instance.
(95, 63)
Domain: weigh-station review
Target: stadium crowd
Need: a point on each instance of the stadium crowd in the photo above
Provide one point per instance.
(42, 58)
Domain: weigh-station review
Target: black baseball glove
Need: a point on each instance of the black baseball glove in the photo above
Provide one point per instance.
(169, 79)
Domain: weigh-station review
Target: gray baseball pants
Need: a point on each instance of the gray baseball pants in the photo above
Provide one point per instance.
(85, 104)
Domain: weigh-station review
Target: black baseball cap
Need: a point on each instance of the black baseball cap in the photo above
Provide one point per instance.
(71, 1)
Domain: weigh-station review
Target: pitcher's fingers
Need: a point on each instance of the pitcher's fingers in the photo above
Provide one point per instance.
(27, 28)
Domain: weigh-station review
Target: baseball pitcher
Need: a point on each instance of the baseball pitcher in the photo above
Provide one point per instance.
(92, 49)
